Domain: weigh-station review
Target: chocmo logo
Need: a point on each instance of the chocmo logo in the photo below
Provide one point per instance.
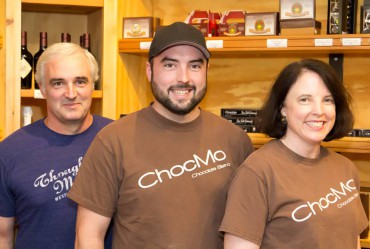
(152, 178)
(304, 212)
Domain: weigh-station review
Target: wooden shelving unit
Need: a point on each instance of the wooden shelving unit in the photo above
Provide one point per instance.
(97, 17)
(260, 44)
(346, 144)
(351, 43)
(29, 93)
(61, 6)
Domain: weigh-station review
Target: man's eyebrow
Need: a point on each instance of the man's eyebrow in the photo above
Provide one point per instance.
(81, 78)
(76, 78)
(168, 59)
(55, 79)
(200, 60)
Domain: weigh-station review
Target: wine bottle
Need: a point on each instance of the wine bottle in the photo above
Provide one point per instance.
(86, 41)
(43, 46)
(65, 37)
(81, 41)
(26, 63)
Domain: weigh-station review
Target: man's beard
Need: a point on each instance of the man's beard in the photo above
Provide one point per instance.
(163, 98)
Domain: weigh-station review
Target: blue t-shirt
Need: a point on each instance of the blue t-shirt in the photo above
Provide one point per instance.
(37, 169)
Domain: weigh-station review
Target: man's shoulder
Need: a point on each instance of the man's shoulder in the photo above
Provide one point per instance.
(102, 119)
(24, 132)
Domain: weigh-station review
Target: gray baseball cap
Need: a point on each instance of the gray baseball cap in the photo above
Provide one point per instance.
(178, 33)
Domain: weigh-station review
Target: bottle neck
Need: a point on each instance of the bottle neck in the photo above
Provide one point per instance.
(43, 44)
(65, 37)
(43, 40)
(86, 41)
(24, 40)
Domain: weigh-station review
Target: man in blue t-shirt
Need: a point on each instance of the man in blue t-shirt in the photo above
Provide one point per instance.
(38, 163)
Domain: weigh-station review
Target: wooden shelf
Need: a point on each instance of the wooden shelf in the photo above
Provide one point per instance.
(349, 43)
(62, 6)
(29, 93)
(365, 243)
(346, 144)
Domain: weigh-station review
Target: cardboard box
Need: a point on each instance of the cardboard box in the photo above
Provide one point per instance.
(205, 21)
(300, 27)
(293, 10)
(342, 16)
(232, 23)
(139, 27)
(365, 19)
(264, 23)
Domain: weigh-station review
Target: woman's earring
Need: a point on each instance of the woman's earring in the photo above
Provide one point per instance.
(283, 119)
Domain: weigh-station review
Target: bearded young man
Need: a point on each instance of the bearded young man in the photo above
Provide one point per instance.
(163, 172)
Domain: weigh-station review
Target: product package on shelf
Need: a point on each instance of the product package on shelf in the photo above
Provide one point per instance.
(205, 21)
(300, 27)
(244, 118)
(342, 16)
(264, 23)
(359, 133)
(365, 17)
(232, 23)
(298, 18)
(139, 27)
(294, 10)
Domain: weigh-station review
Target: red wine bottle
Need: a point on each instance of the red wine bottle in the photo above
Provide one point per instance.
(86, 41)
(81, 41)
(43, 46)
(65, 37)
(26, 63)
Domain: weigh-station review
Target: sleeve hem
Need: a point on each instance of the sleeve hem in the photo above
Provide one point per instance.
(249, 237)
(87, 204)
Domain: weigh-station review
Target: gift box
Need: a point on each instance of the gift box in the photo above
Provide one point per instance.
(232, 23)
(299, 9)
(139, 27)
(205, 21)
(300, 27)
(264, 23)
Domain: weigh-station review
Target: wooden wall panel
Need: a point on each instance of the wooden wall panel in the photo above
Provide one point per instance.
(230, 80)
(357, 81)
(2, 69)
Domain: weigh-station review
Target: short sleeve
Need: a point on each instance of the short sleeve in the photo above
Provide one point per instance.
(247, 207)
(7, 202)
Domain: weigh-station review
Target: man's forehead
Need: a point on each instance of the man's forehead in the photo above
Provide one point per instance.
(182, 51)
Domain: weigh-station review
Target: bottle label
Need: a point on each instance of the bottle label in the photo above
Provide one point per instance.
(25, 68)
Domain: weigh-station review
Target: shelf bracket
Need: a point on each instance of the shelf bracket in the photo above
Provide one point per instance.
(336, 61)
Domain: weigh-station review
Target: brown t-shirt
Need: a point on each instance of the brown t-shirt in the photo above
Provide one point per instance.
(164, 183)
(279, 199)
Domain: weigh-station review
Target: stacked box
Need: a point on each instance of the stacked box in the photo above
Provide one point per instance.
(263, 23)
(359, 133)
(298, 18)
(244, 118)
(300, 27)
